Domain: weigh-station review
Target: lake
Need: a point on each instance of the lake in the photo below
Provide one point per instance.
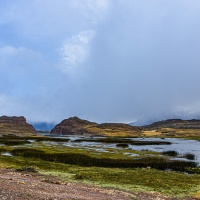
(181, 146)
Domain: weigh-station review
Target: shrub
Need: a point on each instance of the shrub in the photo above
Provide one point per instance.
(123, 145)
(189, 156)
(170, 153)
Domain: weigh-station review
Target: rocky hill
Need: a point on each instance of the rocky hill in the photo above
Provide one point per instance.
(165, 128)
(173, 128)
(176, 124)
(76, 126)
(16, 126)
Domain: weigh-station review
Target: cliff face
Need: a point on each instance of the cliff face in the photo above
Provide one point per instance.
(76, 126)
(16, 126)
(72, 126)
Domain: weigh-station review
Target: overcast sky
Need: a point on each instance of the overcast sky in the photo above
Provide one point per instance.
(101, 60)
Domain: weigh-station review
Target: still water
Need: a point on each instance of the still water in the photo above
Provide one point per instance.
(181, 146)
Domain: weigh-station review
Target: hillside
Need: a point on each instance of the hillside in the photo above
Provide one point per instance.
(74, 125)
(173, 127)
(176, 123)
(165, 128)
(16, 126)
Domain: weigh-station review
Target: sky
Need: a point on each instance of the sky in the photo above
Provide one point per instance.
(101, 60)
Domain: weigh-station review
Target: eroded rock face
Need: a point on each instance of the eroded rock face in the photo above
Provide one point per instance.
(72, 126)
(76, 126)
(16, 125)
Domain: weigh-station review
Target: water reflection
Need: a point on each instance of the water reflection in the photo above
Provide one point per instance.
(181, 146)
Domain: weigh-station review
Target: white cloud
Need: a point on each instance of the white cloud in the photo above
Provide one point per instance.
(75, 50)
(93, 10)
(10, 50)
(189, 110)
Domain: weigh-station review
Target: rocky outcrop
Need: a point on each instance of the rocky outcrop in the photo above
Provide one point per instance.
(76, 126)
(176, 124)
(16, 126)
(72, 126)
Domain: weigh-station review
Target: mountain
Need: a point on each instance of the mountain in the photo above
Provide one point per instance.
(176, 124)
(165, 128)
(16, 125)
(43, 126)
(77, 126)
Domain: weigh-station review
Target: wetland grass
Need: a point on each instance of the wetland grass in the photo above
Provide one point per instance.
(122, 145)
(170, 153)
(81, 159)
(124, 141)
(14, 140)
(10, 140)
(189, 156)
(169, 183)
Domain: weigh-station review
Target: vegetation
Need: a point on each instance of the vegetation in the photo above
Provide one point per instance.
(170, 153)
(115, 167)
(8, 138)
(123, 145)
(85, 160)
(137, 179)
(125, 141)
(189, 156)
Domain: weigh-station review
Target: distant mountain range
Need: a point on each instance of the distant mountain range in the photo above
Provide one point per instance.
(77, 126)
(170, 123)
(165, 128)
(43, 126)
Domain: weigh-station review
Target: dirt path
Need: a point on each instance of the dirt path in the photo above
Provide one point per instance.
(33, 186)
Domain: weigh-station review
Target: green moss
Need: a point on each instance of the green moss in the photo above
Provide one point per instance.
(145, 179)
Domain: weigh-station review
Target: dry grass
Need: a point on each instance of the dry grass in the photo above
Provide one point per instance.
(115, 132)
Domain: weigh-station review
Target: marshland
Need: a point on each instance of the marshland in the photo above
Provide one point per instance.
(169, 166)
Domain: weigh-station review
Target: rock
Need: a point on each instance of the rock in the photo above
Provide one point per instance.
(16, 126)
(72, 126)
(76, 126)
(27, 169)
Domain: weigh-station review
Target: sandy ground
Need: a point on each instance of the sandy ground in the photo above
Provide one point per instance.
(33, 186)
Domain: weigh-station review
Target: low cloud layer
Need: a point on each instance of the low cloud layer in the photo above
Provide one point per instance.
(103, 60)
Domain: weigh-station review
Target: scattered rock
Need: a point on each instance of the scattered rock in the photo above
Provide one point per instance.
(27, 169)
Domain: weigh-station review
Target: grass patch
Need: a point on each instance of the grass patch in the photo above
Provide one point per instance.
(170, 153)
(143, 179)
(123, 145)
(13, 141)
(189, 156)
(124, 141)
(86, 160)
(6, 139)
